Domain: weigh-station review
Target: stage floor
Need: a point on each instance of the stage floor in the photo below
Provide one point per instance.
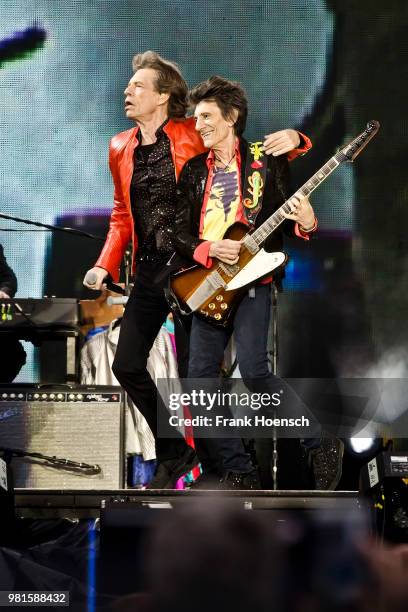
(45, 503)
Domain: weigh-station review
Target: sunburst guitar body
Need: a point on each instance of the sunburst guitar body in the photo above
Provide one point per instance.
(215, 293)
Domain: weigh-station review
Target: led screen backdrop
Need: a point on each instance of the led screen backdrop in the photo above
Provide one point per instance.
(60, 106)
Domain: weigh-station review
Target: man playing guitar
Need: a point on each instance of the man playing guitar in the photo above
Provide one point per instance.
(209, 200)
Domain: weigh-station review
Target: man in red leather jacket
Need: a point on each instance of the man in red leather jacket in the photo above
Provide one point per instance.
(145, 163)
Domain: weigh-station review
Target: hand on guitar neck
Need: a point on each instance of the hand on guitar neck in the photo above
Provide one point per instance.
(225, 250)
(301, 212)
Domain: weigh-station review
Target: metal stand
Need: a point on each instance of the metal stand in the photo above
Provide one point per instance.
(274, 364)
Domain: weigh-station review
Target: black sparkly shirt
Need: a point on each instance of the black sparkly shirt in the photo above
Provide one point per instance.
(152, 197)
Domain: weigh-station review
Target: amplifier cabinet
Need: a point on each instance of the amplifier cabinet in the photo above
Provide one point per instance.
(82, 426)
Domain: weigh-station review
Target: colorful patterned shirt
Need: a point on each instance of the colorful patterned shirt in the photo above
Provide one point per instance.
(223, 202)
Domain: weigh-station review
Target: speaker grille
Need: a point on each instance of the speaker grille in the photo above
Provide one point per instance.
(88, 428)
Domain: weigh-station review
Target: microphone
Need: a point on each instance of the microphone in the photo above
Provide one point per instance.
(91, 279)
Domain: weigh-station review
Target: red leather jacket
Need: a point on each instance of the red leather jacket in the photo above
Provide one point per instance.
(185, 143)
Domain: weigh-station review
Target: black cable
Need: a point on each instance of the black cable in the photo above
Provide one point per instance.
(9, 229)
(69, 230)
(21, 311)
(57, 462)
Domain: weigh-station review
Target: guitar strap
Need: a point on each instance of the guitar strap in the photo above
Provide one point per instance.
(254, 183)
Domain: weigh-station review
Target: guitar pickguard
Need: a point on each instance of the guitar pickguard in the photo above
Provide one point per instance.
(260, 265)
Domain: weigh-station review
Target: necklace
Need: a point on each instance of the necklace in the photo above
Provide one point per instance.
(226, 166)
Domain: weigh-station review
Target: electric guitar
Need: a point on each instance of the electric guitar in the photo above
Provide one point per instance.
(215, 293)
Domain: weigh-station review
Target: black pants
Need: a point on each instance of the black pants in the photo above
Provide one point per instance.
(251, 324)
(144, 315)
(207, 345)
(12, 358)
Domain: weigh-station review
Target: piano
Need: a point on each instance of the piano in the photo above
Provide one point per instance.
(45, 320)
(39, 314)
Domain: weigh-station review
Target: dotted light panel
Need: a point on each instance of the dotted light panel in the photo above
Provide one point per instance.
(60, 106)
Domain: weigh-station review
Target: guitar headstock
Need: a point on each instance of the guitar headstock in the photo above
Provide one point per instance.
(354, 148)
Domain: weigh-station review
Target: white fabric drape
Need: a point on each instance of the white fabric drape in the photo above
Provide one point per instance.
(96, 369)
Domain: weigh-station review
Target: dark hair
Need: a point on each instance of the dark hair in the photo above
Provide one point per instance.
(228, 95)
(169, 80)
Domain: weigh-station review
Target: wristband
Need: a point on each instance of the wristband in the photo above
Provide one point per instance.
(310, 229)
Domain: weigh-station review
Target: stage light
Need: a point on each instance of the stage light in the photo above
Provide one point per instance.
(362, 445)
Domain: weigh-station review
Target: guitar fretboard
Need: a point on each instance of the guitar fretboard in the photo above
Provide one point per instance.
(262, 233)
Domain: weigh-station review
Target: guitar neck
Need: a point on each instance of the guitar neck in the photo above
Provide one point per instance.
(269, 226)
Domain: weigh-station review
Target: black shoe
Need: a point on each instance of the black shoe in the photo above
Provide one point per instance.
(243, 482)
(168, 472)
(206, 482)
(326, 462)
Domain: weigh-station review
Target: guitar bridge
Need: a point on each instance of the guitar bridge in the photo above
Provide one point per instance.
(208, 287)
